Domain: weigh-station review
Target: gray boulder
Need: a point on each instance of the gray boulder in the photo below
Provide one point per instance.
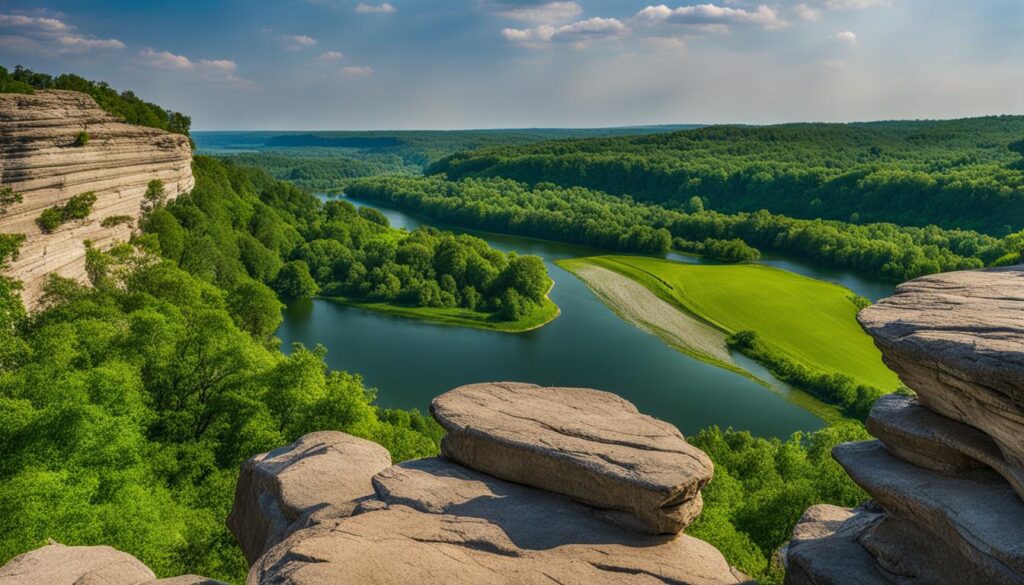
(592, 446)
(321, 470)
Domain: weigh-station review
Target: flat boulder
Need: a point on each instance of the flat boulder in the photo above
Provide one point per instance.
(591, 446)
(957, 339)
(325, 469)
(435, 521)
(57, 564)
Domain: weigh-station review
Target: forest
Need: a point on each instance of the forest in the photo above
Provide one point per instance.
(966, 174)
(584, 216)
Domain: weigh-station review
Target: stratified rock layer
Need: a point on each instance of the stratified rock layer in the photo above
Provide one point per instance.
(321, 470)
(435, 521)
(56, 564)
(946, 472)
(39, 160)
(589, 445)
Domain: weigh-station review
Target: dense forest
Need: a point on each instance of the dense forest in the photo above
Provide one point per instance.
(125, 105)
(955, 174)
(584, 216)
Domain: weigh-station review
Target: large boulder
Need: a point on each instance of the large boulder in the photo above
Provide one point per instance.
(592, 446)
(56, 564)
(435, 521)
(321, 470)
(957, 339)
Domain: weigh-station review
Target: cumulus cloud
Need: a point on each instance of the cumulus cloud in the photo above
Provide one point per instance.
(578, 33)
(385, 8)
(298, 42)
(46, 34)
(544, 13)
(711, 15)
(215, 71)
(166, 60)
(846, 37)
(805, 12)
(854, 4)
(331, 56)
(363, 71)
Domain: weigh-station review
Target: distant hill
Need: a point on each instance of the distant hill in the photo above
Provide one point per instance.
(956, 173)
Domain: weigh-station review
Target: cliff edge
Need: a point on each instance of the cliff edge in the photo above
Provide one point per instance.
(43, 159)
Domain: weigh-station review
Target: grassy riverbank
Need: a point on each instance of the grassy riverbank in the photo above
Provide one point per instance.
(803, 320)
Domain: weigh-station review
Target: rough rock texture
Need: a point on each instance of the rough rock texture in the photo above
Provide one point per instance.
(320, 470)
(957, 339)
(56, 564)
(435, 521)
(589, 445)
(946, 473)
(38, 159)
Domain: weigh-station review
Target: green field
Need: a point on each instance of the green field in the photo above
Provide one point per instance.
(806, 320)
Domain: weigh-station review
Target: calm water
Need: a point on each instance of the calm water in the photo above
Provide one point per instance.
(410, 361)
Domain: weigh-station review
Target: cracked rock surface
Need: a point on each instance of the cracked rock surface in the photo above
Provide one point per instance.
(592, 446)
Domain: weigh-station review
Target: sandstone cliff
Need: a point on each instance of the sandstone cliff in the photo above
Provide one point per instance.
(946, 474)
(39, 159)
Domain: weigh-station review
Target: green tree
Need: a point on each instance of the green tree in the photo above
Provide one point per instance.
(255, 308)
(294, 281)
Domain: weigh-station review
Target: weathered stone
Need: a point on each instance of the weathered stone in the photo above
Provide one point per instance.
(968, 528)
(922, 437)
(39, 160)
(186, 580)
(818, 521)
(438, 522)
(589, 445)
(835, 557)
(321, 470)
(56, 564)
(957, 339)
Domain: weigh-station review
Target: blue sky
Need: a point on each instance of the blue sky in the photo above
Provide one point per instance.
(352, 64)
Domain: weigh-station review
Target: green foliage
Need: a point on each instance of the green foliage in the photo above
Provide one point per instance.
(78, 207)
(50, 219)
(734, 250)
(82, 138)
(111, 221)
(762, 487)
(125, 105)
(963, 174)
(295, 282)
(582, 216)
(8, 199)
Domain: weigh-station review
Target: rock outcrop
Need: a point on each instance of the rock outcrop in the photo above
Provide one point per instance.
(56, 564)
(40, 160)
(439, 520)
(946, 474)
(589, 445)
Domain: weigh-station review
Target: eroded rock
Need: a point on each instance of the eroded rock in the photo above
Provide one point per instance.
(957, 339)
(435, 521)
(592, 446)
(56, 564)
(325, 469)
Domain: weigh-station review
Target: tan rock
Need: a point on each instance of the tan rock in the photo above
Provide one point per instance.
(957, 339)
(836, 557)
(56, 564)
(321, 470)
(589, 445)
(38, 159)
(438, 522)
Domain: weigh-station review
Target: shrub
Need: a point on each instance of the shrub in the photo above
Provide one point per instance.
(82, 139)
(78, 207)
(113, 220)
(8, 198)
(50, 219)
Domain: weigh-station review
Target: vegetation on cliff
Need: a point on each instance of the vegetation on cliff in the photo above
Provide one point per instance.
(955, 173)
(125, 105)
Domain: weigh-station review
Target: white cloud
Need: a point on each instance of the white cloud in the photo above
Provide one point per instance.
(298, 42)
(385, 8)
(846, 37)
(805, 12)
(854, 4)
(34, 22)
(363, 71)
(77, 42)
(712, 15)
(331, 56)
(578, 33)
(166, 60)
(224, 65)
(548, 13)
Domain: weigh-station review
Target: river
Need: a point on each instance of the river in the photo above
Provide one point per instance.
(410, 361)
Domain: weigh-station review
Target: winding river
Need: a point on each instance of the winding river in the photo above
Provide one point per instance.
(410, 361)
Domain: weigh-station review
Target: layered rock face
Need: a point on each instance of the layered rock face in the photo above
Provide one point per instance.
(506, 504)
(40, 160)
(56, 564)
(947, 473)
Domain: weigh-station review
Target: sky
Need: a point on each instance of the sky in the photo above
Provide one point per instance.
(447, 64)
